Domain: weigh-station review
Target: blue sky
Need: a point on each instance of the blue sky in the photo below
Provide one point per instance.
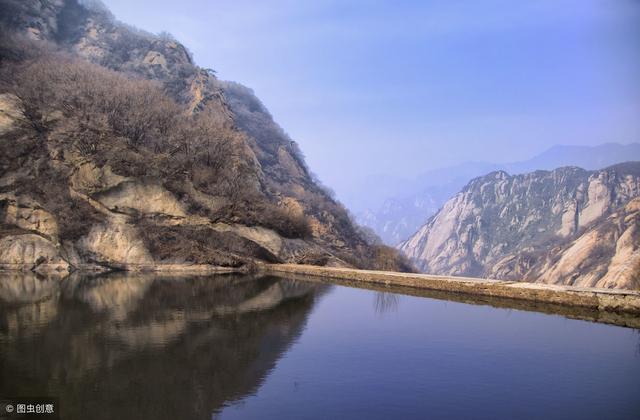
(400, 87)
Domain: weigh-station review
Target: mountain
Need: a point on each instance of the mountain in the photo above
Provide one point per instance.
(118, 152)
(401, 213)
(415, 200)
(587, 157)
(567, 226)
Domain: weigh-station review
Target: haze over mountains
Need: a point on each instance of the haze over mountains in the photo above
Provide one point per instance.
(395, 208)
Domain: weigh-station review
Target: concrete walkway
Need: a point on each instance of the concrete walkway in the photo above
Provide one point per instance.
(608, 300)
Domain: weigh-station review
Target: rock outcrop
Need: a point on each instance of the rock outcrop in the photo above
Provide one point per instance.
(30, 251)
(567, 226)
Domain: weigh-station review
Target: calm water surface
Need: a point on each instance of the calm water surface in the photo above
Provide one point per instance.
(241, 347)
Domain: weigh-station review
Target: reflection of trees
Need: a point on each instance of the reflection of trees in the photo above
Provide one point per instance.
(386, 302)
(124, 346)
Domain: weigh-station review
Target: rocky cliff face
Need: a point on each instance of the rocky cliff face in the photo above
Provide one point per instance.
(566, 226)
(398, 218)
(117, 151)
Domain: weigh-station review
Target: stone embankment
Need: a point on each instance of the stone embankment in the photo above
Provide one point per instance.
(601, 300)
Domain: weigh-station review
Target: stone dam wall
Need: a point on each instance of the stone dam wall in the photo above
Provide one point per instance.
(602, 300)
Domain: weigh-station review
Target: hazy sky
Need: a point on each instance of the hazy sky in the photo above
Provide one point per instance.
(399, 87)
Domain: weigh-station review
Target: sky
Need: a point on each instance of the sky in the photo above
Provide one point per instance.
(400, 87)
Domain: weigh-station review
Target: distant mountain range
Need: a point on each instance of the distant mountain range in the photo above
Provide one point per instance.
(567, 226)
(399, 207)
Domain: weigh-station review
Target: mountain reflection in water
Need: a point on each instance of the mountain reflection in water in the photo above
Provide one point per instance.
(244, 347)
(131, 346)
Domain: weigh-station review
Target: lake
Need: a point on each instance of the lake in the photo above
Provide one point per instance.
(263, 347)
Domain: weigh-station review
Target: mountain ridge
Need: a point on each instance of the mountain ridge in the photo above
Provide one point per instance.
(118, 152)
(566, 226)
(400, 215)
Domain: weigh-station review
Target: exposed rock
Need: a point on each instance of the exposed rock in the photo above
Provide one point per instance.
(567, 226)
(115, 244)
(289, 164)
(144, 197)
(606, 255)
(10, 113)
(155, 58)
(89, 178)
(30, 251)
(28, 214)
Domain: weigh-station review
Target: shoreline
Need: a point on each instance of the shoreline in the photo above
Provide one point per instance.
(593, 299)
(54, 269)
(610, 306)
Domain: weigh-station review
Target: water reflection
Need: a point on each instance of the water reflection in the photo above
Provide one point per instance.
(120, 345)
(385, 303)
(21, 288)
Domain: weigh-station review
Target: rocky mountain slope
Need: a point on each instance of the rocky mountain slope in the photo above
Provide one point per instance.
(117, 151)
(409, 203)
(567, 226)
(399, 217)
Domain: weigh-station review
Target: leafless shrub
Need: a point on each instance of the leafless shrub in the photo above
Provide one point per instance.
(100, 109)
(389, 259)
